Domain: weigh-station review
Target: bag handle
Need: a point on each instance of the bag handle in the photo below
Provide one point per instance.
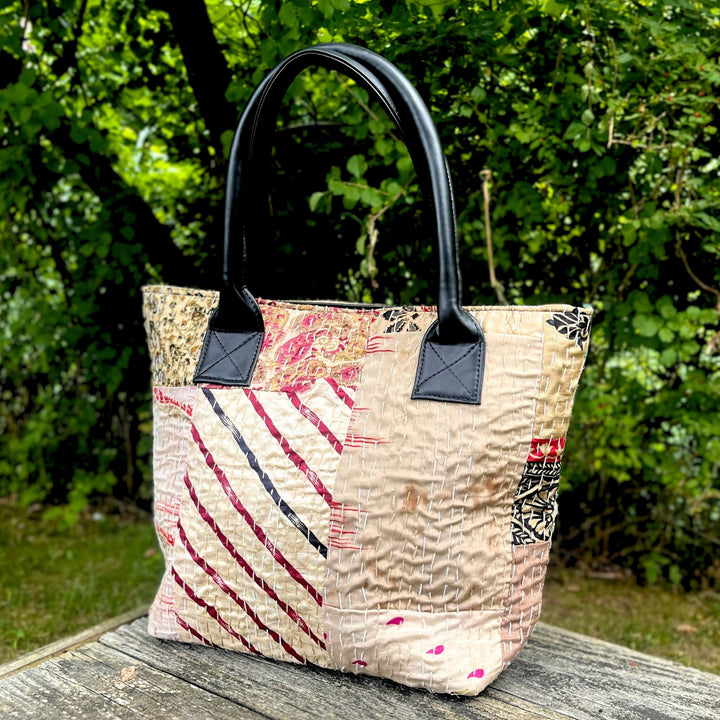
(400, 111)
(451, 362)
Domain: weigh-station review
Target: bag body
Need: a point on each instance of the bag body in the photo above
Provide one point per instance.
(368, 489)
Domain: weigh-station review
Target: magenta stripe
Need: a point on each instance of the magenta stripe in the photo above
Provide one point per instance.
(240, 602)
(191, 630)
(324, 430)
(340, 392)
(299, 463)
(259, 533)
(211, 611)
(225, 541)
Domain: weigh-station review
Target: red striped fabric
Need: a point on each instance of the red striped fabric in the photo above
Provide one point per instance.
(240, 602)
(299, 463)
(211, 611)
(257, 530)
(225, 542)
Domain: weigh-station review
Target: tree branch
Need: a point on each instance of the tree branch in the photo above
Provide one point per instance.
(122, 200)
(207, 68)
(494, 282)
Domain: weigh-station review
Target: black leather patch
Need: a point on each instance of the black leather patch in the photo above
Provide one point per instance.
(453, 373)
(228, 358)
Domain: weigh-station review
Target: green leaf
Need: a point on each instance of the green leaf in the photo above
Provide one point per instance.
(371, 198)
(575, 130)
(326, 7)
(668, 357)
(666, 308)
(336, 186)
(405, 167)
(315, 198)
(641, 303)
(357, 166)
(646, 325)
(288, 15)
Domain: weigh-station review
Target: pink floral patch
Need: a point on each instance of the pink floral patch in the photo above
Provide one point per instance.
(476, 673)
(361, 663)
(436, 650)
(396, 621)
(303, 344)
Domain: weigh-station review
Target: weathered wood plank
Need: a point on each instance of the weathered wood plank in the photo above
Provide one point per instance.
(285, 691)
(576, 674)
(64, 644)
(97, 682)
(560, 675)
(559, 672)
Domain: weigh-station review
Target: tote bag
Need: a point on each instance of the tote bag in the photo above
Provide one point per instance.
(369, 489)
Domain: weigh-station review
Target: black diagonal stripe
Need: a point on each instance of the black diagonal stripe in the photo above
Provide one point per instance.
(264, 478)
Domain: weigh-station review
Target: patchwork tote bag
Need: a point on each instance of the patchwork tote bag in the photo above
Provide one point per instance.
(370, 489)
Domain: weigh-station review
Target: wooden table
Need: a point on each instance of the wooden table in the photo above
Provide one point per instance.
(117, 670)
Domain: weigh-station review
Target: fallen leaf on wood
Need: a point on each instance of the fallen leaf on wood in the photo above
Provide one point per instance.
(128, 674)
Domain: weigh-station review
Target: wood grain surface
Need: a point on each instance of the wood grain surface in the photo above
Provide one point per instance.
(125, 673)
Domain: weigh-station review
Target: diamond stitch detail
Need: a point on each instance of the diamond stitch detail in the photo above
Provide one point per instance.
(228, 358)
(451, 372)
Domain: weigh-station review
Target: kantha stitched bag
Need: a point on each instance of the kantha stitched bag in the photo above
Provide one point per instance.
(370, 489)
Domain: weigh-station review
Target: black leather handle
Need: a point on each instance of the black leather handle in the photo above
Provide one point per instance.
(246, 172)
(417, 128)
(237, 325)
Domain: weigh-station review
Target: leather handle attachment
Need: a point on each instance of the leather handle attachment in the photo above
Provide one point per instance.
(451, 362)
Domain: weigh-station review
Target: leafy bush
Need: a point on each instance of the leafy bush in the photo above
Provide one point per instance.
(591, 126)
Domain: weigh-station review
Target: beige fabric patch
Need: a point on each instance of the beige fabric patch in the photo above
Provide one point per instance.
(565, 331)
(424, 493)
(563, 362)
(456, 652)
(425, 489)
(526, 586)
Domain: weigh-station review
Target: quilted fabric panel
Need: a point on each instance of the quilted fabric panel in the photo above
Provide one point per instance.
(525, 601)
(172, 418)
(249, 564)
(423, 505)
(444, 652)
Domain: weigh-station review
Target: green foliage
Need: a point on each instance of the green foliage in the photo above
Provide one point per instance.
(598, 124)
(60, 580)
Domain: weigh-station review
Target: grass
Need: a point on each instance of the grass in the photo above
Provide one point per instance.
(657, 619)
(56, 582)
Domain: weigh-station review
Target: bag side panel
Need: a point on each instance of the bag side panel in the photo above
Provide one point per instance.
(566, 334)
(252, 474)
(249, 565)
(172, 417)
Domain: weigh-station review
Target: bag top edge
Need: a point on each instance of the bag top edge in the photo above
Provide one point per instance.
(355, 307)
